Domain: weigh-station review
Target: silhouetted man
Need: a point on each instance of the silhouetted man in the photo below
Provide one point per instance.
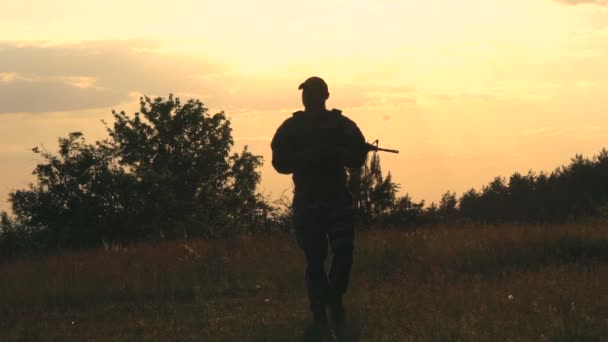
(316, 145)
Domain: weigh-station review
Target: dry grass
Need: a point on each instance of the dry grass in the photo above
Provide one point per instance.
(461, 283)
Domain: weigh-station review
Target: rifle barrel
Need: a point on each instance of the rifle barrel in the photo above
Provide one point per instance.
(386, 150)
(373, 147)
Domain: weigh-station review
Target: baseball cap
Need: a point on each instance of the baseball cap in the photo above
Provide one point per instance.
(314, 83)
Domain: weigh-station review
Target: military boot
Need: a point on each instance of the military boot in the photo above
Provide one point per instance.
(342, 331)
(337, 313)
(318, 329)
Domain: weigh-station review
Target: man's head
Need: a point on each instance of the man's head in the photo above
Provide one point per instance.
(314, 93)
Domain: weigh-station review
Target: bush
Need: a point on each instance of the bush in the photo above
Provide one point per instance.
(165, 171)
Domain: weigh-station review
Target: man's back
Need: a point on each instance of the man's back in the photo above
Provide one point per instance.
(316, 147)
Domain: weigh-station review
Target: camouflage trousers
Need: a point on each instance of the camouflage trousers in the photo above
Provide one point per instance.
(319, 225)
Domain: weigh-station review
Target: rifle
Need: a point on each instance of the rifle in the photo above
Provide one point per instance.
(374, 147)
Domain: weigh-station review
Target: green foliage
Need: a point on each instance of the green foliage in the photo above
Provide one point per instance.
(577, 190)
(570, 192)
(10, 238)
(405, 213)
(180, 157)
(79, 198)
(374, 194)
(448, 205)
(376, 200)
(242, 204)
(164, 171)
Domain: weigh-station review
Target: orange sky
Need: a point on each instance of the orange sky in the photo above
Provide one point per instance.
(466, 90)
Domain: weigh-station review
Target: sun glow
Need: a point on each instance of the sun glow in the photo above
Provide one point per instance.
(466, 90)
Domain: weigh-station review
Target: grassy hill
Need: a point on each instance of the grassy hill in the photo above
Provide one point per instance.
(447, 283)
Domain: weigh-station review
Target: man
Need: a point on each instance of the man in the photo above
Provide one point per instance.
(316, 145)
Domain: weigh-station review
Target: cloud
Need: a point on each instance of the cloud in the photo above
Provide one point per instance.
(52, 95)
(583, 2)
(36, 77)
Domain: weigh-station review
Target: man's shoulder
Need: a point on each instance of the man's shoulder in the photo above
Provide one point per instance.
(295, 116)
(299, 117)
(345, 120)
(290, 125)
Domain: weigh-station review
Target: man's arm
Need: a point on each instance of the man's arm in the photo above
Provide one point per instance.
(283, 150)
(355, 151)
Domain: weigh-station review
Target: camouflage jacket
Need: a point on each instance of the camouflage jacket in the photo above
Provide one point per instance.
(316, 148)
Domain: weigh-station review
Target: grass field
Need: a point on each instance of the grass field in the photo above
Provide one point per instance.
(447, 283)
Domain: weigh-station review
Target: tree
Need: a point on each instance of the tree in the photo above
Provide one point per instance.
(374, 194)
(579, 189)
(10, 239)
(447, 206)
(181, 157)
(248, 209)
(166, 170)
(405, 212)
(522, 204)
(79, 198)
(470, 204)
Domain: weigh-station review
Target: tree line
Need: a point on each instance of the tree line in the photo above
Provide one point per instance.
(571, 192)
(168, 172)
